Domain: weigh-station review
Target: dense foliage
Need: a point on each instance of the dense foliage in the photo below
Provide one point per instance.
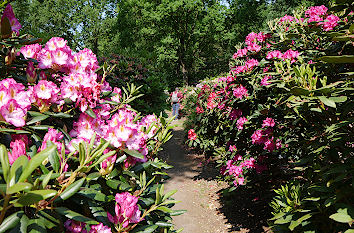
(74, 156)
(129, 70)
(187, 39)
(285, 111)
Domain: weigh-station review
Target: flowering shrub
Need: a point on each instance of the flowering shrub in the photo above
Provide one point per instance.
(75, 157)
(285, 108)
(129, 70)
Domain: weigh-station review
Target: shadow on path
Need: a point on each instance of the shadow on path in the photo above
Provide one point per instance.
(208, 209)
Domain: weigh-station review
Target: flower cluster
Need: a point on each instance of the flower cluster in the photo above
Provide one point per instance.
(265, 136)
(126, 210)
(235, 168)
(15, 101)
(192, 135)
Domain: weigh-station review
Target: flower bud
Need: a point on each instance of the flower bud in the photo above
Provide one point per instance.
(31, 73)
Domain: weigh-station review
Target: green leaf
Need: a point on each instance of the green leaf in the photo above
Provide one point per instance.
(294, 224)
(35, 196)
(11, 221)
(327, 101)
(299, 91)
(93, 194)
(4, 159)
(24, 223)
(74, 216)
(338, 59)
(54, 157)
(169, 194)
(90, 112)
(145, 229)
(17, 169)
(71, 190)
(164, 209)
(46, 179)
(37, 119)
(36, 161)
(341, 217)
(177, 212)
(21, 186)
(134, 153)
(164, 224)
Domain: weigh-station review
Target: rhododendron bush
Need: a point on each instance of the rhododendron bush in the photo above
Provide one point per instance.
(130, 70)
(75, 157)
(284, 113)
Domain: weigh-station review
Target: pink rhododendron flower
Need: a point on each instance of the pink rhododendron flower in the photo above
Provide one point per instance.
(199, 110)
(118, 95)
(330, 23)
(100, 228)
(316, 11)
(31, 73)
(240, 122)
(73, 226)
(240, 92)
(268, 122)
(254, 47)
(126, 210)
(9, 13)
(257, 137)
(232, 148)
(269, 145)
(240, 53)
(54, 136)
(264, 81)
(192, 135)
(31, 51)
(18, 148)
(251, 63)
(248, 163)
(291, 54)
(13, 113)
(287, 19)
(235, 113)
(274, 54)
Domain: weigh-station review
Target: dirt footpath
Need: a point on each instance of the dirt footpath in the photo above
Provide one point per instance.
(198, 194)
(208, 211)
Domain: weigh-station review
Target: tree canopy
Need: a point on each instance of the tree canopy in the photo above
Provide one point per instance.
(186, 40)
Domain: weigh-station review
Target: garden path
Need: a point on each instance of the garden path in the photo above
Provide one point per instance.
(200, 194)
(197, 194)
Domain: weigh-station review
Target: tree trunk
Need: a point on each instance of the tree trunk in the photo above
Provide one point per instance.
(184, 73)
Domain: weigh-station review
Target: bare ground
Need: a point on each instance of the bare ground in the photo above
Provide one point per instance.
(200, 193)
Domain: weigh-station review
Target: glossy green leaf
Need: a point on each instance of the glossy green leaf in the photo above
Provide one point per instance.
(341, 217)
(71, 190)
(23, 224)
(4, 159)
(37, 119)
(327, 101)
(74, 215)
(35, 196)
(11, 221)
(145, 229)
(18, 187)
(36, 161)
(134, 153)
(90, 112)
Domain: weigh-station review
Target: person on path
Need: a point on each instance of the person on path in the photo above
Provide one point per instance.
(176, 97)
